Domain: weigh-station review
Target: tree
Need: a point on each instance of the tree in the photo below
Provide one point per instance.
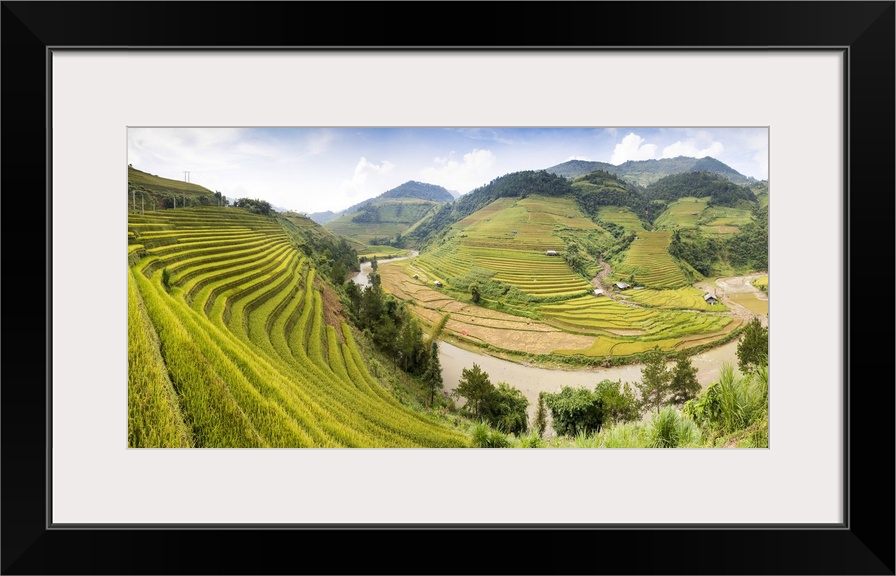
(575, 411)
(683, 385)
(353, 294)
(541, 415)
(619, 402)
(752, 350)
(475, 294)
(432, 376)
(655, 379)
(410, 344)
(507, 409)
(476, 388)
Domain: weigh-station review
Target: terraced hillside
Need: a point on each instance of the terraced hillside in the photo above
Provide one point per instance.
(533, 303)
(508, 242)
(649, 263)
(235, 342)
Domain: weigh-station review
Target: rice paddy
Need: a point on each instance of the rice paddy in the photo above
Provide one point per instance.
(649, 262)
(236, 350)
(508, 241)
(555, 313)
(683, 213)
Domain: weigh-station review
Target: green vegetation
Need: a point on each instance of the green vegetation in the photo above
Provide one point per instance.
(720, 190)
(148, 192)
(502, 407)
(752, 350)
(252, 340)
(576, 411)
(645, 172)
(382, 222)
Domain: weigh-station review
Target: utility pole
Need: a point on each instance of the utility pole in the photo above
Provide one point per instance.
(134, 196)
(186, 175)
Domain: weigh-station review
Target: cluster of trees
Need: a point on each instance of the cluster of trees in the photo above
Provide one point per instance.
(368, 215)
(502, 407)
(700, 251)
(576, 411)
(333, 257)
(609, 190)
(395, 331)
(254, 205)
(749, 247)
(722, 192)
(582, 411)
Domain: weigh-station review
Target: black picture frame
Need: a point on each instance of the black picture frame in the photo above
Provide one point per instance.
(864, 544)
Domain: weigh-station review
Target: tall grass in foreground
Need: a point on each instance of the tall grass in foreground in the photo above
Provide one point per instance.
(154, 417)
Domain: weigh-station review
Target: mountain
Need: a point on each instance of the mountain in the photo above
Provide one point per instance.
(575, 168)
(323, 217)
(410, 189)
(646, 172)
(421, 190)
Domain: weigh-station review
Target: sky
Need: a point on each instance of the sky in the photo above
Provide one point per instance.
(318, 169)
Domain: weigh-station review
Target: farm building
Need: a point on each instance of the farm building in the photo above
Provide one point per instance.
(598, 292)
(710, 299)
(437, 284)
(513, 231)
(551, 253)
(622, 285)
(416, 276)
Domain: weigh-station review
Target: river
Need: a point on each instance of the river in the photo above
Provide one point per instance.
(531, 380)
(362, 278)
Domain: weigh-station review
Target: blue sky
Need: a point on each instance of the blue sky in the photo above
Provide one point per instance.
(319, 169)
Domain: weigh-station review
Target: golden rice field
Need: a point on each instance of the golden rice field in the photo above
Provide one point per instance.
(508, 240)
(649, 261)
(687, 298)
(588, 326)
(238, 352)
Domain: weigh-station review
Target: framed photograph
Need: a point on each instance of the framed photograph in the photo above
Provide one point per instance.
(815, 80)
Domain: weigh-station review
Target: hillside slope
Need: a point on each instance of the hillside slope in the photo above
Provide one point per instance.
(242, 342)
(147, 192)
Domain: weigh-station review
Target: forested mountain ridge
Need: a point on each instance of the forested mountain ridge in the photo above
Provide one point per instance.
(646, 172)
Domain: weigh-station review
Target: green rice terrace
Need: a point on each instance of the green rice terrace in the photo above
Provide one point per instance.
(234, 341)
(542, 291)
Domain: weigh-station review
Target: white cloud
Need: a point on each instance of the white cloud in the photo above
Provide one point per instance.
(585, 158)
(367, 178)
(461, 175)
(691, 149)
(632, 147)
